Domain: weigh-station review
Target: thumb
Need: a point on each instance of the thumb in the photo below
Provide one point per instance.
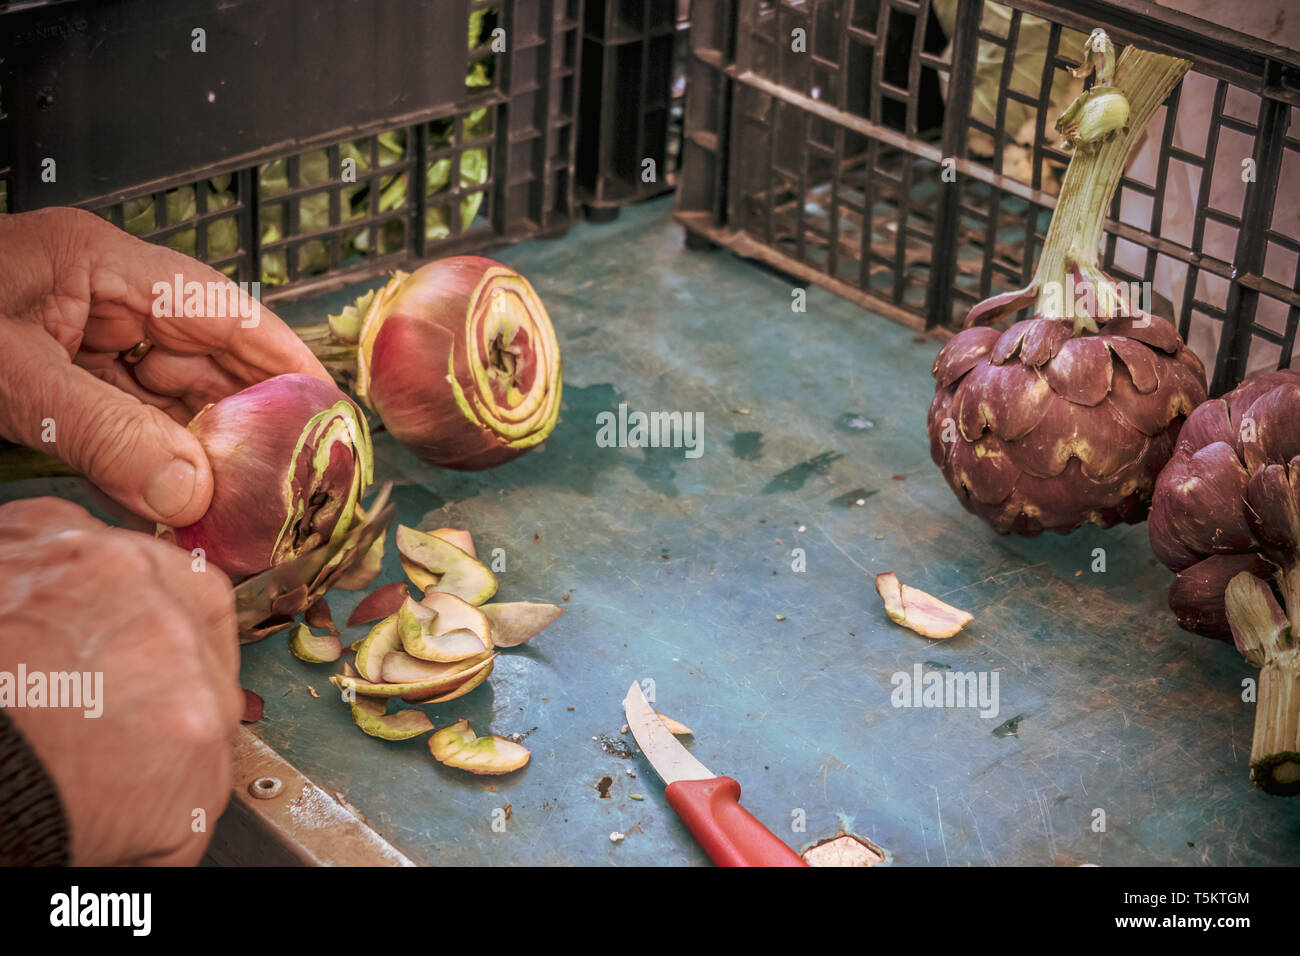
(133, 451)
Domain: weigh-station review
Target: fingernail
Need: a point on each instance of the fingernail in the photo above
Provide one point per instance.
(170, 490)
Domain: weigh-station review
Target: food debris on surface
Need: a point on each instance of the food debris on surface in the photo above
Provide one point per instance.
(379, 603)
(252, 708)
(1009, 727)
(674, 726)
(844, 849)
(615, 748)
(921, 612)
(458, 746)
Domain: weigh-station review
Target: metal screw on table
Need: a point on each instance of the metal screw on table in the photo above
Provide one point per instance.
(264, 788)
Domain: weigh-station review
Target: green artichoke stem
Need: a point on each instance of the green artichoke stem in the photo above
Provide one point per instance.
(1074, 237)
(339, 358)
(1267, 637)
(1289, 581)
(1275, 747)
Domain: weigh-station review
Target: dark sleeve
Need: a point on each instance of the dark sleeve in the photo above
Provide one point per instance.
(33, 830)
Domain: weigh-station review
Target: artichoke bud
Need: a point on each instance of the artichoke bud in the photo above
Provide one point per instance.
(460, 360)
(1093, 116)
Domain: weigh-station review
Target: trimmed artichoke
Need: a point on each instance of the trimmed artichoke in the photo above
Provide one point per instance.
(1226, 517)
(1068, 416)
(458, 358)
(290, 458)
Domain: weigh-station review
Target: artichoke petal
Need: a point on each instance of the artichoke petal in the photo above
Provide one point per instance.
(1148, 329)
(1101, 441)
(1203, 493)
(1055, 502)
(936, 426)
(1166, 544)
(1081, 371)
(962, 353)
(1043, 340)
(1196, 595)
(1009, 399)
(1139, 360)
(1008, 344)
(1153, 412)
(1192, 361)
(1273, 505)
(1210, 422)
(999, 306)
(1275, 435)
(984, 470)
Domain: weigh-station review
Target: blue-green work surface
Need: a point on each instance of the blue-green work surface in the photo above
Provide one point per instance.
(1118, 738)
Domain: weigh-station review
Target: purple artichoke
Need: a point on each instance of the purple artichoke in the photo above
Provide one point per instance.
(1036, 428)
(1226, 517)
(1067, 417)
(1227, 502)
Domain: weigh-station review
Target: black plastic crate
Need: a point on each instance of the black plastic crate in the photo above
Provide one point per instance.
(633, 76)
(824, 166)
(362, 135)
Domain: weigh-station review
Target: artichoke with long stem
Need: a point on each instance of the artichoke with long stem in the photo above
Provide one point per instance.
(1226, 517)
(1068, 416)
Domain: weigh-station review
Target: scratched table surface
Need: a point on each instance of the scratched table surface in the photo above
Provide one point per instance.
(1117, 739)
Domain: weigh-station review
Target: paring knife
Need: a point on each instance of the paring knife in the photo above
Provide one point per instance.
(709, 805)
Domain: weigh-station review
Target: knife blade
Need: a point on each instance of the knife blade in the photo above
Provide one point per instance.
(709, 805)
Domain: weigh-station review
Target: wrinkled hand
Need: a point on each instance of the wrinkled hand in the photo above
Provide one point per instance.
(75, 293)
(81, 596)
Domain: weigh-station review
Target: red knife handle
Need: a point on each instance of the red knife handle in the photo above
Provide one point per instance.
(729, 833)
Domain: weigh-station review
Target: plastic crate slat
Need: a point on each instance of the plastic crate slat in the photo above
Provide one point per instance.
(332, 242)
(128, 53)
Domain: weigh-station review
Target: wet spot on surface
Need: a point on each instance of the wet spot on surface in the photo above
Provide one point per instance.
(570, 459)
(747, 446)
(656, 470)
(850, 499)
(792, 479)
(574, 461)
(1009, 728)
(853, 422)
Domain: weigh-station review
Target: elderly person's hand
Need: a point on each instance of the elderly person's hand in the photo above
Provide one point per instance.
(76, 299)
(144, 776)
